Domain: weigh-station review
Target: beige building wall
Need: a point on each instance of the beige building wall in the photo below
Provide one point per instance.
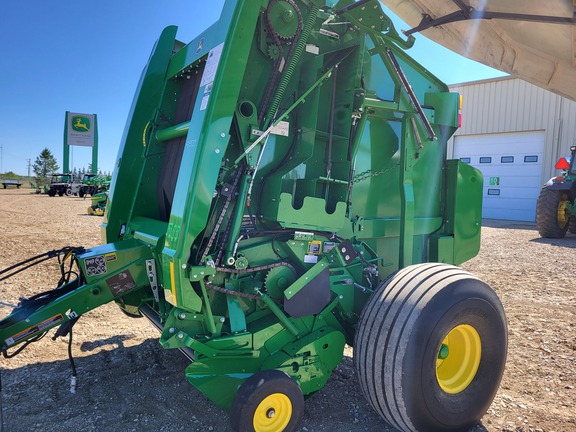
(511, 105)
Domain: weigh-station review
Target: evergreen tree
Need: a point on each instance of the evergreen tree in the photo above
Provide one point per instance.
(45, 165)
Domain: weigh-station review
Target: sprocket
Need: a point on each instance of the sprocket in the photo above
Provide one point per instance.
(273, 52)
(277, 280)
(283, 19)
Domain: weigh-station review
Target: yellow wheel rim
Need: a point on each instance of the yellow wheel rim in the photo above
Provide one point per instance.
(273, 414)
(458, 358)
(562, 216)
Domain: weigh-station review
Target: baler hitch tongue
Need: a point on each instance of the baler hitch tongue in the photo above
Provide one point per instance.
(86, 281)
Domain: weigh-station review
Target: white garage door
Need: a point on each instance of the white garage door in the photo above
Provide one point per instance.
(512, 167)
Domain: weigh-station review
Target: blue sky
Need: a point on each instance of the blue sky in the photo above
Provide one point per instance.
(86, 57)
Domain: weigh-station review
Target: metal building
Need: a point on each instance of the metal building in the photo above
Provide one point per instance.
(514, 132)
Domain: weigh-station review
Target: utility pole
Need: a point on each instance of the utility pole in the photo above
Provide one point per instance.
(29, 169)
(1, 170)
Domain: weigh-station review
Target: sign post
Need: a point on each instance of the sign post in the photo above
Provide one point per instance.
(80, 130)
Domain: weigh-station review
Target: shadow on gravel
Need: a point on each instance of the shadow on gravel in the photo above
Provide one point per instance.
(567, 242)
(508, 224)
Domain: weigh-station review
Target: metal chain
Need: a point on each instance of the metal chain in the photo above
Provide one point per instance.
(245, 271)
(369, 173)
(234, 293)
(216, 228)
(256, 269)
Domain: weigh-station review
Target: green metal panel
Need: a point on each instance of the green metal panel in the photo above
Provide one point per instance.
(130, 162)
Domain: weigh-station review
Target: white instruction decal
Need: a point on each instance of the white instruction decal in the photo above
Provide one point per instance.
(282, 128)
(212, 65)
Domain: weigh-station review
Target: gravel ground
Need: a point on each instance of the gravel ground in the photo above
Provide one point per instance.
(127, 382)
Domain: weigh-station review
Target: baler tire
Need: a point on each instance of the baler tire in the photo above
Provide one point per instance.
(68, 192)
(402, 334)
(267, 401)
(548, 208)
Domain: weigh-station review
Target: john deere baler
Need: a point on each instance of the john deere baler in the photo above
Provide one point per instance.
(282, 190)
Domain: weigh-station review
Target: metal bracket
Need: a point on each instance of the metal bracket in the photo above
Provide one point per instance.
(467, 12)
(151, 272)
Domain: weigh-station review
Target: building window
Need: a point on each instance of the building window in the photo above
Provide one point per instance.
(493, 191)
(530, 158)
(486, 159)
(507, 159)
(465, 160)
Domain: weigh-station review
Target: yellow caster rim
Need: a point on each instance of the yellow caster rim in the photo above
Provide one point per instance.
(273, 414)
(458, 358)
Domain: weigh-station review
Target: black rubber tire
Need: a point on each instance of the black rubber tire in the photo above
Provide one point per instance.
(257, 388)
(81, 192)
(60, 192)
(69, 192)
(547, 213)
(52, 193)
(399, 336)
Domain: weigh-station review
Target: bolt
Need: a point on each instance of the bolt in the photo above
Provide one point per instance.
(183, 266)
(270, 413)
(182, 315)
(180, 335)
(195, 276)
(217, 151)
(171, 329)
(222, 319)
(343, 250)
(202, 273)
(340, 296)
(222, 134)
(347, 257)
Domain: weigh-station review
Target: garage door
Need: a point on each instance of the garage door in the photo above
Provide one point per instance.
(512, 167)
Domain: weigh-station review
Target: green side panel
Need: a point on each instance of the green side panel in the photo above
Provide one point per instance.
(206, 144)
(445, 108)
(312, 214)
(130, 163)
(464, 209)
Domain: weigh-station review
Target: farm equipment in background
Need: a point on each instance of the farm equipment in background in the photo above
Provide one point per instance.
(93, 184)
(63, 184)
(556, 206)
(98, 206)
(282, 190)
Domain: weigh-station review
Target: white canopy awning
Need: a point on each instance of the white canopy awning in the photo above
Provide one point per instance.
(533, 40)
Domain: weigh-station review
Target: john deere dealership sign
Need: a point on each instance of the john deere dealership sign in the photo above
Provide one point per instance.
(80, 129)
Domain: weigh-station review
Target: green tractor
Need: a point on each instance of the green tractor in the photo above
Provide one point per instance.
(93, 184)
(556, 206)
(282, 190)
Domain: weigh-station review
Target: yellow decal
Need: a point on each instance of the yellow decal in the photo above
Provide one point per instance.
(111, 257)
(173, 283)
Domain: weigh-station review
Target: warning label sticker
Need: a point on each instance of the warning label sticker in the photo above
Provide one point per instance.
(96, 266)
(121, 283)
(24, 334)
